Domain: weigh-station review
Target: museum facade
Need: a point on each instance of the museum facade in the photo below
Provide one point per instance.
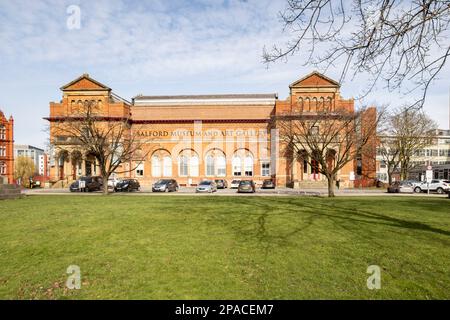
(195, 137)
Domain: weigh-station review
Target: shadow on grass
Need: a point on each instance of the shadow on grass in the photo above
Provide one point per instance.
(252, 222)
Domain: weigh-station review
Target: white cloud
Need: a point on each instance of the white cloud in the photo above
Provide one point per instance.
(151, 47)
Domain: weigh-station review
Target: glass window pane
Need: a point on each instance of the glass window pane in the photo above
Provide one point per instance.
(193, 166)
(167, 166)
(156, 166)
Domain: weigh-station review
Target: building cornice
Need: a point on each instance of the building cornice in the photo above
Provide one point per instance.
(202, 100)
(156, 121)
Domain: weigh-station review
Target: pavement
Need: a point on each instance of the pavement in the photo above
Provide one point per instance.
(233, 192)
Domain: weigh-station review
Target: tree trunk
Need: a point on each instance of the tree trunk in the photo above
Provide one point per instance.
(105, 184)
(331, 184)
(404, 175)
(390, 176)
(105, 187)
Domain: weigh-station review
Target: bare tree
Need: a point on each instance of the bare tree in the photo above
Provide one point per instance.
(403, 44)
(406, 132)
(110, 140)
(389, 152)
(328, 140)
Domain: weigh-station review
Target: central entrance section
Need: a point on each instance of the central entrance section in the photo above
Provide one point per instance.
(193, 138)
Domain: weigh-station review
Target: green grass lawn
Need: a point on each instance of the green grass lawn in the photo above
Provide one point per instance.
(188, 247)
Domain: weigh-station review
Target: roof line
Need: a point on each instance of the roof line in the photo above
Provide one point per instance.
(208, 96)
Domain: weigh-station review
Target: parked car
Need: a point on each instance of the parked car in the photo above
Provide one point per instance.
(439, 186)
(401, 187)
(34, 183)
(112, 182)
(165, 185)
(206, 186)
(268, 184)
(221, 183)
(246, 186)
(235, 184)
(128, 185)
(87, 184)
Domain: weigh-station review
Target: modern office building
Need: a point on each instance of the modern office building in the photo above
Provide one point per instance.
(34, 153)
(436, 155)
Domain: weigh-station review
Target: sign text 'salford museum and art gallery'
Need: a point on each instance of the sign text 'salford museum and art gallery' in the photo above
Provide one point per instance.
(196, 137)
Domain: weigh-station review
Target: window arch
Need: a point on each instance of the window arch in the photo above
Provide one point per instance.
(321, 106)
(242, 163)
(330, 103)
(161, 163)
(300, 104)
(307, 105)
(2, 132)
(314, 105)
(188, 163)
(216, 164)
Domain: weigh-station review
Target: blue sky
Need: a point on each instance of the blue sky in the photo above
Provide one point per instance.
(153, 47)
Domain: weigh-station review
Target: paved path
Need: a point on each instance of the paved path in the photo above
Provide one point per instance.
(232, 192)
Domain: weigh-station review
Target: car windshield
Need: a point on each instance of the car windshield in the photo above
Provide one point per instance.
(85, 178)
(235, 181)
(205, 183)
(163, 181)
(246, 182)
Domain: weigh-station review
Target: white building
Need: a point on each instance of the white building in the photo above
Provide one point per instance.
(437, 155)
(32, 152)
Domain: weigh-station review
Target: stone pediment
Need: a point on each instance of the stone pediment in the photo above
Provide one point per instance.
(84, 83)
(315, 79)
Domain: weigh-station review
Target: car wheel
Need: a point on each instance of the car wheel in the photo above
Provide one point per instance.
(417, 190)
(440, 190)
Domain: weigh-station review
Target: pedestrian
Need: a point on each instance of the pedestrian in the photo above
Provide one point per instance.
(338, 183)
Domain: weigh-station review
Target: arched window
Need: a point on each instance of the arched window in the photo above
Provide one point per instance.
(314, 105)
(210, 168)
(184, 165)
(2, 168)
(330, 103)
(242, 163)
(161, 163)
(216, 164)
(300, 104)
(322, 105)
(188, 163)
(307, 105)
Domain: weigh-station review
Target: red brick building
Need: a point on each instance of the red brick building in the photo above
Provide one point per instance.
(6, 149)
(196, 137)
